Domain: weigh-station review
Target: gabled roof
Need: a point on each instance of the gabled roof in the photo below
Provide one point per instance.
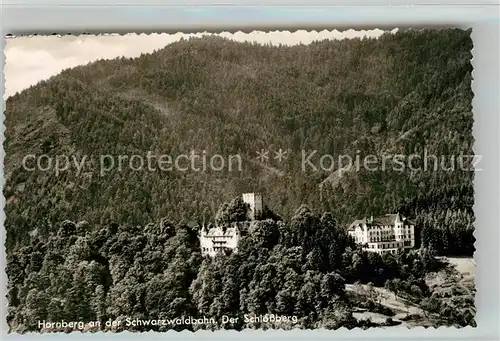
(385, 220)
(220, 231)
(357, 222)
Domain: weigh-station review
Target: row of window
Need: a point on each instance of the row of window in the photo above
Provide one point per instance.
(393, 251)
(210, 249)
(386, 239)
(387, 227)
(391, 231)
(221, 237)
(392, 245)
(390, 251)
(384, 246)
(377, 239)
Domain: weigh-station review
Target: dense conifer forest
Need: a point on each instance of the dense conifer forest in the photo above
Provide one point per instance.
(401, 93)
(298, 269)
(135, 251)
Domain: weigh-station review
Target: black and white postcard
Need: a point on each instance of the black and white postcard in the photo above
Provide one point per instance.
(260, 180)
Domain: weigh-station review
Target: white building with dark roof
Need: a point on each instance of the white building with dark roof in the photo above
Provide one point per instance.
(387, 233)
(226, 237)
(219, 238)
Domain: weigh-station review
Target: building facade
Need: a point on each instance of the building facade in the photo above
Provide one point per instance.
(385, 234)
(218, 239)
(221, 238)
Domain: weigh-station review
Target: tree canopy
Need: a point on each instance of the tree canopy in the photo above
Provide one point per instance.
(402, 93)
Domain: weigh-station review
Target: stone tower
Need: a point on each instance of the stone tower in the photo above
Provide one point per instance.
(254, 201)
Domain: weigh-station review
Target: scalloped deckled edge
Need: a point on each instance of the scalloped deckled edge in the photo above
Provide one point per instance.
(155, 41)
(231, 35)
(227, 34)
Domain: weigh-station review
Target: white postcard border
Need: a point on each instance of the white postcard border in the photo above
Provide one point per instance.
(152, 16)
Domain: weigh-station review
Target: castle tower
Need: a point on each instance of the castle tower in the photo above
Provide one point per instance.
(254, 201)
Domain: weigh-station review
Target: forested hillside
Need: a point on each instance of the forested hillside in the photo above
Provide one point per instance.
(400, 94)
(297, 269)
